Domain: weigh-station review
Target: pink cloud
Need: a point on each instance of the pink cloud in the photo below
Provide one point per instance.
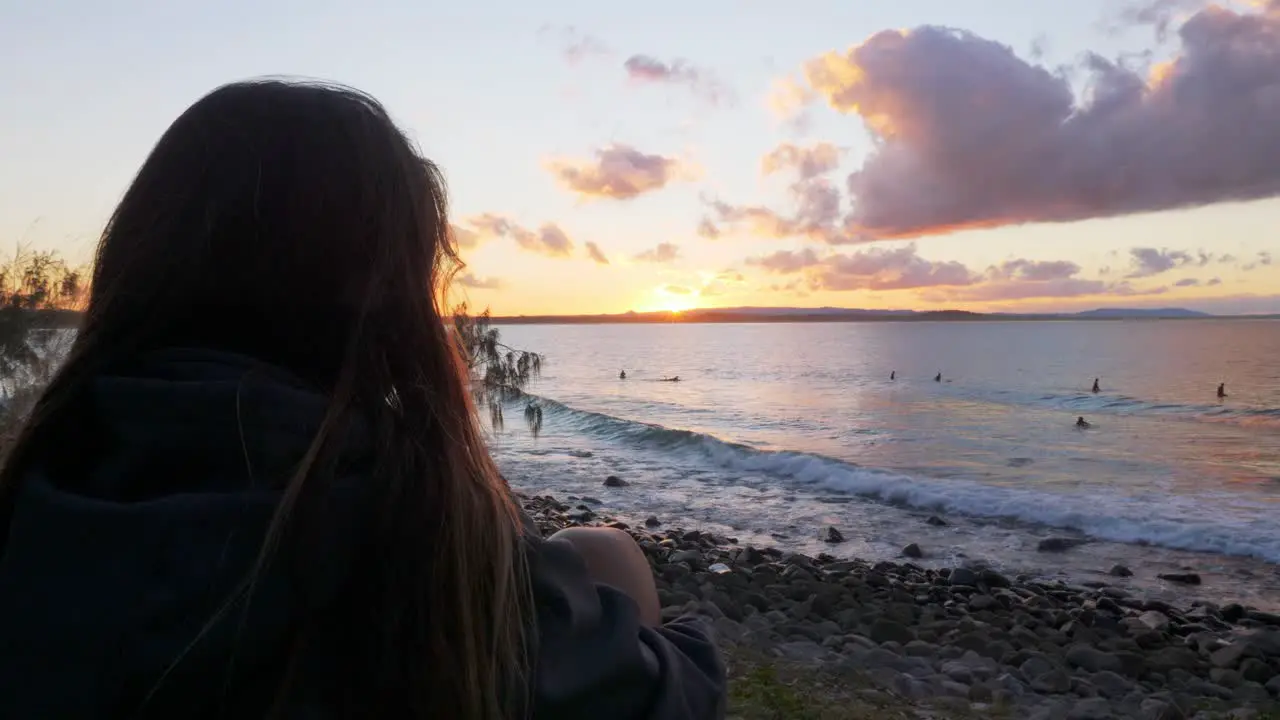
(595, 253)
(618, 172)
(702, 83)
(549, 239)
(478, 283)
(901, 268)
(662, 253)
(969, 135)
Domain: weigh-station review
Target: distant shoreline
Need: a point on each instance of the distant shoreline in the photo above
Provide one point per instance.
(711, 317)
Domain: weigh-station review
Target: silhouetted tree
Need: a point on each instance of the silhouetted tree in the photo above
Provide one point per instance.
(499, 373)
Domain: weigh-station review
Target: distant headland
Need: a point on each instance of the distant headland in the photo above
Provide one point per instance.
(831, 314)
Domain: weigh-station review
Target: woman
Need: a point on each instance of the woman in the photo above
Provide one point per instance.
(257, 487)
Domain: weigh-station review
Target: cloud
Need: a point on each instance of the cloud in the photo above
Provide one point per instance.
(897, 268)
(901, 268)
(816, 215)
(549, 239)
(786, 261)
(702, 83)
(1187, 282)
(1033, 270)
(788, 98)
(968, 135)
(1149, 261)
(464, 238)
(618, 172)
(479, 283)
(808, 162)
(576, 45)
(1263, 259)
(678, 290)
(594, 252)
(663, 253)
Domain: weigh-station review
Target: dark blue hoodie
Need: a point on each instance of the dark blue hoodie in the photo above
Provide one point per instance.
(121, 579)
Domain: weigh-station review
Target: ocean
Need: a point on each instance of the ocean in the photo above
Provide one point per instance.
(779, 430)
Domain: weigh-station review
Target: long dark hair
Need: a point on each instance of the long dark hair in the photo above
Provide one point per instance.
(295, 223)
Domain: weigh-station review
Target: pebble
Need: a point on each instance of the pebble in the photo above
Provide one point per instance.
(968, 635)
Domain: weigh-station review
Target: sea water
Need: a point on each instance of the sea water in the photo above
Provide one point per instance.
(777, 430)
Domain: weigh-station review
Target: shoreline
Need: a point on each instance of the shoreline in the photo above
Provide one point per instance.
(969, 641)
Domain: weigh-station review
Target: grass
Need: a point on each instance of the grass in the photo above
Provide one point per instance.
(764, 688)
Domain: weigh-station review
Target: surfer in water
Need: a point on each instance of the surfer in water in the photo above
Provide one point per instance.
(1222, 390)
(893, 375)
(1096, 387)
(671, 379)
(1082, 424)
(622, 375)
(938, 377)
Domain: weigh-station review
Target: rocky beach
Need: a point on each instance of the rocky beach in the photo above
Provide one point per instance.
(837, 638)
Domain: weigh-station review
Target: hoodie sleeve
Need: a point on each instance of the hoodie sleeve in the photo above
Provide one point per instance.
(596, 660)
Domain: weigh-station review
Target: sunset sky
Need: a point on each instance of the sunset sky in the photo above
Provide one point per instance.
(605, 157)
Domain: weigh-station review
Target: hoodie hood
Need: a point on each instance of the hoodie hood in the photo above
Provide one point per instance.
(123, 577)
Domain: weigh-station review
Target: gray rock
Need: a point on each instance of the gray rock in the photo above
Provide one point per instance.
(1059, 544)
(802, 651)
(978, 603)
(652, 521)
(1153, 709)
(957, 671)
(1273, 686)
(1120, 571)
(962, 576)
(1251, 693)
(1093, 660)
(993, 579)
(1182, 578)
(1090, 709)
(1154, 619)
(692, 557)
(1035, 666)
(884, 631)
(936, 521)
(831, 535)
(1054, 682)
(1225, 677)
(615, 482)
(1111, 685)
(913, 551)
(1229, 656)
(1166, 659)
(1256, 670)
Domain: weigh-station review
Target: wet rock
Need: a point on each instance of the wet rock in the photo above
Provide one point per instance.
(652, 521)
(831, 535)
(1120, 571)
(614, 481)
(1183, 578)
(1229, 656)
(962, 576)
(1059, 544)
(936, 521)
(913, 551)
(1154, 619)
(979, 603)
(692, 557)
